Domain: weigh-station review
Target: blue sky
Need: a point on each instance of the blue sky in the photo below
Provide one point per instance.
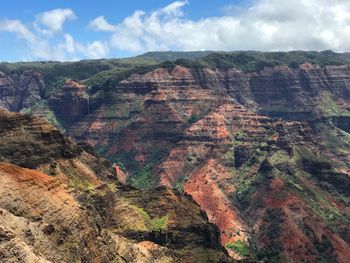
(77, 29)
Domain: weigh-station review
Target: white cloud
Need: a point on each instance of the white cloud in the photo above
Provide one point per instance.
(264, 25)
(16, 26)
(100, 24)
(45, 44)
(173, 9)
(53, 20)
(43, 47)
(69, 43)
(94, 50)
(69, 49)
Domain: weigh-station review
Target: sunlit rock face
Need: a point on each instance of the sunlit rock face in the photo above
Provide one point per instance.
(70, 207)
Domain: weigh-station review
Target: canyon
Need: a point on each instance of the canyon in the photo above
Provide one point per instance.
(258, 147)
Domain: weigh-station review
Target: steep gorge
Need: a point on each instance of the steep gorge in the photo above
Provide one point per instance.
(264, 153)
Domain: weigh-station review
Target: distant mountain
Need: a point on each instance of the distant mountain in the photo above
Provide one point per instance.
(162, 56)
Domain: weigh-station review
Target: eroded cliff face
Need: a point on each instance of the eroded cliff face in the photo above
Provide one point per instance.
(30, 92)
(70, 103)
(69, 207)
(264, 154)
(20, 91)
(211, 134)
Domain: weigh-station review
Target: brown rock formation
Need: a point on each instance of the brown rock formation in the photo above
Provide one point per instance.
(72, 209)
(20, 91)
(71, 102)
(214, 147)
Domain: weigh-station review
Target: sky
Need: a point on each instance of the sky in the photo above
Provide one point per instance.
(68, 30)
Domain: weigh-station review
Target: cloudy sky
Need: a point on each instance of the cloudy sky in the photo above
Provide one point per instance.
(78, 29)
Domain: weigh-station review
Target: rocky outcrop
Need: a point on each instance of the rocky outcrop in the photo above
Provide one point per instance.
(72, 208)
(31, 142)
(70, 103)
(21, 91)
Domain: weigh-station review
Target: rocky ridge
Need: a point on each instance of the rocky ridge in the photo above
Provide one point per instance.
(70, 207)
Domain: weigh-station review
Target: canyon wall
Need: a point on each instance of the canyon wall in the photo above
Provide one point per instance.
(265, 154)
(59, 203)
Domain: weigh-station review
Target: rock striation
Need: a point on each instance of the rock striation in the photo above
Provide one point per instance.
(70, 207)
(21, 91)
(265, 154)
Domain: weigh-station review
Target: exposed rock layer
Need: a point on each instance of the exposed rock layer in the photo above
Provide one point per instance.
(267, 183)
(72, 209)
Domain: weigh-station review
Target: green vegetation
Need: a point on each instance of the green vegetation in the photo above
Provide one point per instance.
(143, 178)
(245, 60)
(249, 61)
(44, 110)
(229, 158)
(296, 185)
(310, 159)
(158, 224)
(81, 184)
(246, 157)
(325, 247)
(330, 107)
(112, 186)
(280, 157)
(78, 70)
(124, 157)
(175, 55)
(194, 118)
(180, 184)
(109, 79)
(154, 224)
(246, 187)
(107, 73)
(240, 136)
(239, 247)
(97, 74)
(141, 211)
(271, 228)
(54, 85)
(321, 171)
(318, 200)
(334, 138)
(264, 146)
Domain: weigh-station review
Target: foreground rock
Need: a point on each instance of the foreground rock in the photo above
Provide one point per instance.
(71, 209)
